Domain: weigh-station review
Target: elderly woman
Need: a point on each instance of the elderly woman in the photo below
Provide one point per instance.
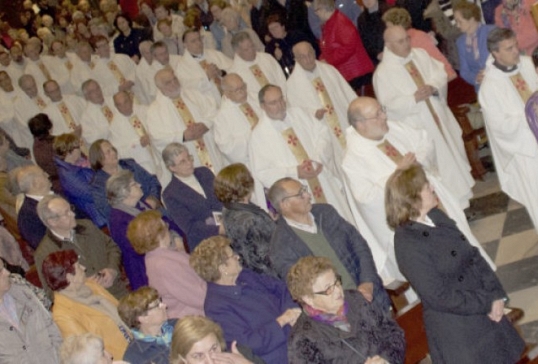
(419, 39)
(167, 265)
(189, 197)
(197, 339)
(472, 44)
(254, 309)
(463, 299)
(230, 19)
(84, 349)
(104, 161)
(75, 176)
(338, 326)
(145, 314)
(81, 305)
(248, 226)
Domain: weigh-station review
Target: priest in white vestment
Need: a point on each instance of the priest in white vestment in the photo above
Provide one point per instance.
(185, 117)
(256, 68)
(29, 103)
(408, 82)
(8, 121)
(6, 64)
(83, 66)
(114, 72)
(64, 111)
(98, 114)
(320, 88)
(62, 62)
(129, 134)
(145, 75)
(508, 83)
(238, 115)
(288, 142)
(375, 149)
(201, 69)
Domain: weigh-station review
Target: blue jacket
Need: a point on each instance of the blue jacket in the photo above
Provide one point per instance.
(190, 210)
(75, 183)
(248, 311)
(150, 185)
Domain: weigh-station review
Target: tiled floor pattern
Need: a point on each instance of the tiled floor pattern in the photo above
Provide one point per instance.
(508, 236)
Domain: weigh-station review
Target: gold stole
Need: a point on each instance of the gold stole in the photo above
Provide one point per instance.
(388, 149)
(141, 131)
(109, 115)
(44, 69)
(116, 72)
(68, 65)
(331, 116)
(203, 63)
(419, 81)
(66, 114)
(201, 148)
(300, 154)
(521, 86)
(258, 74)
(249, 114)
(40, 102)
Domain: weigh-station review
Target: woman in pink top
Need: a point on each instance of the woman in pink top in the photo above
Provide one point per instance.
(419, 39)
(516, 15)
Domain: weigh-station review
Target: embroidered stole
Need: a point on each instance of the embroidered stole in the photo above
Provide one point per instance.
(201, 148)
(116, 72)
(109, 115)
(300, 154)
(521, 86)
(203, 63)
(66, 114)
(44, 69)
(330, 115)
(249, 114)
(68, 65)
(419, 81)
(388, 149)
(258, 74)
(40, 102)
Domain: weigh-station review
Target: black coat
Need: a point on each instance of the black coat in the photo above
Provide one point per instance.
(349, 245)
(457, 288)
(373, 332)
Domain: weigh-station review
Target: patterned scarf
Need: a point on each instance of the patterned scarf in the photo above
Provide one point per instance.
(338, 320)
(164, 339)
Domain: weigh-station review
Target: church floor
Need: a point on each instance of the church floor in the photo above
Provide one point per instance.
(505, 230)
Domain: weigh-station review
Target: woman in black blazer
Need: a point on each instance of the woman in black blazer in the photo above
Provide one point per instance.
(462, 297)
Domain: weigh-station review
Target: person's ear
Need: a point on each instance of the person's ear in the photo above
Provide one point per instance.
(308, 299)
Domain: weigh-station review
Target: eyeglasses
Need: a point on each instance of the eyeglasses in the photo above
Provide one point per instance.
(185, 162)
(300, 194)
(329, 290)
(382, 111)
(155, 304)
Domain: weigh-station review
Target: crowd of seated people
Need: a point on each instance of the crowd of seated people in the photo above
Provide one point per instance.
(175, 183)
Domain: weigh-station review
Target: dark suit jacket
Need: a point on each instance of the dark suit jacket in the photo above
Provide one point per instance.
(457, 288)
(30, 226)
(350, 247)
(189, 209)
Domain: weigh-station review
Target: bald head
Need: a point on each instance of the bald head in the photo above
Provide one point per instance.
(28, 85)
(397, 41)
(167, 82)
(145, 50)
(234, 88)
(304, 54)
(124, 103)
(368, 118)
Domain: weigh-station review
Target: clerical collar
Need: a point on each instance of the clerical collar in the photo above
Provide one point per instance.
(313, 229)
(505, 69)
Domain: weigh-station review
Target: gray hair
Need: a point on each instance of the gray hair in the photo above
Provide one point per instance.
(277, 193)
(117, 187)
(172, 150)
(263, 91)
(229, 14)
(496, 36)
(82, 349)
(25, 177)
(239, 38)
(25, 77)
(43, 210)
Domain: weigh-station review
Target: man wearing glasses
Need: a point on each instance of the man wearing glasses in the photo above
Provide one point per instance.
(305, 229)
